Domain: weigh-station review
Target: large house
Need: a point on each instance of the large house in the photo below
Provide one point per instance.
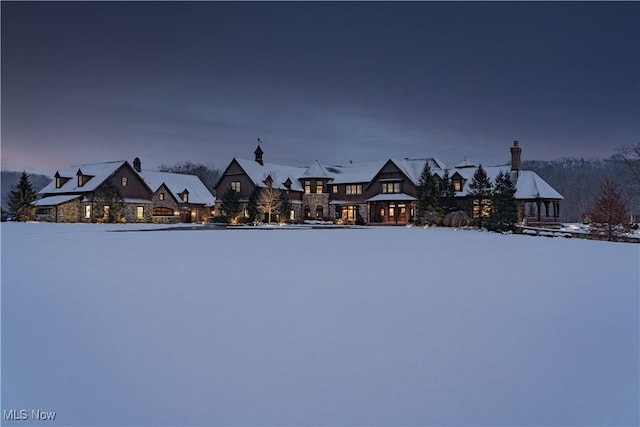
(380, 192)
(84, 193)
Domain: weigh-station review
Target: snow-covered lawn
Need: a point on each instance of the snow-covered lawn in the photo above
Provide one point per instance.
(373, 326)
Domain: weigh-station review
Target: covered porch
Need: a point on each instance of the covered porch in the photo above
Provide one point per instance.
(543, 213)
(391, 209)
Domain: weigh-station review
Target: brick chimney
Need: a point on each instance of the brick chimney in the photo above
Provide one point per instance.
(516, 156)
(259, 153)
(137, 165)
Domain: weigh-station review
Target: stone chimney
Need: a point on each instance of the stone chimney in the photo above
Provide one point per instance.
(259, 153)
(137, 165)
(516, 156)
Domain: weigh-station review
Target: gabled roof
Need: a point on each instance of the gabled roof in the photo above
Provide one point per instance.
(99, 173)
(412, 168)
(279, 173)
(530, 186)
(177, 183)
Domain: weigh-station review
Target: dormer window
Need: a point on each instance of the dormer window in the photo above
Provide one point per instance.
(58, 180)
(80, 180)
(457, 184)
(185, 196)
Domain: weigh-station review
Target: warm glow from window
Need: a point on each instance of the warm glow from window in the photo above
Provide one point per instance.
(319, 187)
(58, 182)
(335, 189)
(457, 185)
(235, 186)
(307, 187)
(354, 189)
(124, 181)
(161, 197)
(140, 212)
(390, 187)
(87, 211)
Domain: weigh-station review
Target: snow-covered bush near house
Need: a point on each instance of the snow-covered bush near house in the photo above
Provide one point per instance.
(368, 326)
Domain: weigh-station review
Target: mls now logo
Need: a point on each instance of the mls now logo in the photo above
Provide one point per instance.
(23, 414)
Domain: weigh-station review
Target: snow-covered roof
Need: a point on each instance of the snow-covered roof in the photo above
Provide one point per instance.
(353, 173)
(279, 174)
(530, 186)
(412, 168)
(55, 200)
(465, 163)
(388, 197)
(177, 183)
(316, 170)
(98, 172)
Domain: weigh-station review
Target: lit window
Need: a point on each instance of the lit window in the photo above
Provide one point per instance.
(319, 212)
(349, 212)
(390, 187)
(307, 187)
(161, 196)
(87, 211)
(307, 212)
(235, 186)
(292, 215)
(80, 180)
(124, 181)
(58, 182)
(481, 207)
(335, 189)
(457, 185)
(106, 212)
(319, 187)
(140, 211)
(185, 197)
(354, 189)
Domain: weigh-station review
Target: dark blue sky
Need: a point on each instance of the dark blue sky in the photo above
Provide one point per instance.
(87, 82)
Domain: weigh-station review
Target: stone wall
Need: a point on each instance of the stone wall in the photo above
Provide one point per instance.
(314, 200)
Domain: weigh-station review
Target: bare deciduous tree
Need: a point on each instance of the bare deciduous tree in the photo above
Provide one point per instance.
(609, 217)
(269, 201)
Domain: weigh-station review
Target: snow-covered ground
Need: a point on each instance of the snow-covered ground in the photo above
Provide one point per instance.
(370, 326)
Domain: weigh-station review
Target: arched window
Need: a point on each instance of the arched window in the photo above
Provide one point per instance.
(319, 212)
(307, 212)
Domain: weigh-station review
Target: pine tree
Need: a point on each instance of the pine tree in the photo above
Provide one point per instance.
(480, 195)
(252, 205)
(285, 207)
(230, 207)
(428, 207)
(448, 194)
(21, 199)
(609, 216)
(504, 210)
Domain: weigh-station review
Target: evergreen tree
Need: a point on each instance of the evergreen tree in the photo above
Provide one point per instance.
(609, 216)
(428, 207)
(230, 206)
(480, 195)
(448, 194)
(22, 198)
(504, 210)
(285, 207)
(252, 205)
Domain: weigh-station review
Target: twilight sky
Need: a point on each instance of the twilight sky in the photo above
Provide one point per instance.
(88, 82)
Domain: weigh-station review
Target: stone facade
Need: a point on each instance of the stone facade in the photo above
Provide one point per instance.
(315, 202)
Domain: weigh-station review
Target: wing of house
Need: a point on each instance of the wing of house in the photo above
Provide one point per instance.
(178, 197)
(78, 194)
